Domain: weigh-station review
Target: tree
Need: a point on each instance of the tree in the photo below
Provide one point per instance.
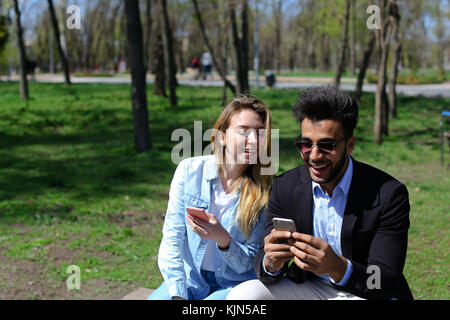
(364, 65)
(344, 41)
(381, 103)
(159, 64)
(278, 18)
(240, 45)
(220, 67)
(22, 54)
(142, 140)
(62, 55)
(394, 17)
(149, 21)
(167, 41)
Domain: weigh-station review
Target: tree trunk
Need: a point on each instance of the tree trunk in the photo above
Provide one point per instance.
(221, 69)
(62, 55)
(277, 11)
(381, 103)
(160, 76)
(325, 55)
(352, 61)
(148, 17)
(240, 47)
(22, 54)
(396, 49)
(142, 140)
(168, 44)
(344, 41)
(364, 65)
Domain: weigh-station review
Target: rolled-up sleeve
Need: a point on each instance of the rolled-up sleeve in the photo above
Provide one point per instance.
(170, 259)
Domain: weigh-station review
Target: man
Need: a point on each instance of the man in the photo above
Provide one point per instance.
(351, 219)
(206, 61)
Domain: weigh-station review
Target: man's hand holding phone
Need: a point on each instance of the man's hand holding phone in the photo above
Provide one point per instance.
(277, 244)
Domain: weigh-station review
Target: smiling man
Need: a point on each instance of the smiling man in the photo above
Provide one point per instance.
(351, 219)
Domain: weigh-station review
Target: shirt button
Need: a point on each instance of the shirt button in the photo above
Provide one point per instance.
(218, 269)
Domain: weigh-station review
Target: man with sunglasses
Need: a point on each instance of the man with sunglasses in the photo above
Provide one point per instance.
(351, 219)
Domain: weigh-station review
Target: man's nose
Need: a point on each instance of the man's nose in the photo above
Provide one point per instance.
(315, 153)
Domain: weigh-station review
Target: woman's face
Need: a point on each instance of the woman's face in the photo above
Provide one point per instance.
(244, 138)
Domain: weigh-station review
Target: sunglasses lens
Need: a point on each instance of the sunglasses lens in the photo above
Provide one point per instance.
(326, 147)
(306, 147)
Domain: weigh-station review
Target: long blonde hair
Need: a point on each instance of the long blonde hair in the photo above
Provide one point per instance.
(254, 193)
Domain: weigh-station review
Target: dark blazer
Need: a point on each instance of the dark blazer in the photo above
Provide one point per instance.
(374, 228)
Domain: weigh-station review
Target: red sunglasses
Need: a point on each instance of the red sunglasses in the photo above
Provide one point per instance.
(306, 147)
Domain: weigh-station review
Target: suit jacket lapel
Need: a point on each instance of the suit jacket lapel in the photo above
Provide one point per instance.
(352, 209)
(304, 203)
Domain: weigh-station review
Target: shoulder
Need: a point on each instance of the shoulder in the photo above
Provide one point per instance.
(370, 178)
(199, 166)
(293, 175)
(286, 181)
(377, 176)
(198, 162)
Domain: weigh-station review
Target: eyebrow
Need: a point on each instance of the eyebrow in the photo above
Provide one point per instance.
(320, 140)
(247, 127)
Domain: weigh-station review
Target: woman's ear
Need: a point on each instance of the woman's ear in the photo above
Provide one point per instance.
(221, 138)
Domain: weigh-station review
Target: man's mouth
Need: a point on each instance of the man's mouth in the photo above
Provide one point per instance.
(318, 169)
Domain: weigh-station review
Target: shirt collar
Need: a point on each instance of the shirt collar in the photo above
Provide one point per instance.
(211, 168)
(344, 183)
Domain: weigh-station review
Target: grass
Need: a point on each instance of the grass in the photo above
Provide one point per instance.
(74, 191)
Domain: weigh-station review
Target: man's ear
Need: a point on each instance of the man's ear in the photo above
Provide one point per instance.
(350, 144)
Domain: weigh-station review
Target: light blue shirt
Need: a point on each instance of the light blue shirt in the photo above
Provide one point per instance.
(327, 219)
(181, 251)
(328, 213)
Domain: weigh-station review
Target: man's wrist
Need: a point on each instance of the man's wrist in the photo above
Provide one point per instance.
(268, 268)
(341, 268)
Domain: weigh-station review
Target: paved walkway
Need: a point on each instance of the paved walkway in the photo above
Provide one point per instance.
(427, 90)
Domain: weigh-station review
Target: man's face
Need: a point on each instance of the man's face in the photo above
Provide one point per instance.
(326, 167)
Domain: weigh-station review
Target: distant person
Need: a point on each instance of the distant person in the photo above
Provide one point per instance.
(195, 64)
(206, 61)
(204, 259)
(30, 66)
(351, 219)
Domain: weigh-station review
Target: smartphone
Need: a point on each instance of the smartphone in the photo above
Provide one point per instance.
(198, 213)
(282, 224)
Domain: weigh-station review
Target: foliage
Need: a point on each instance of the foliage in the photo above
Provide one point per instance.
(414, 77)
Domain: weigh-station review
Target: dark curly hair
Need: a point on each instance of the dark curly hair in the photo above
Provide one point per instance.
(327, 103)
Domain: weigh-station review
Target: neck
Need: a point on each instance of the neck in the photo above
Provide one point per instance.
(229, 173)
(329, 187)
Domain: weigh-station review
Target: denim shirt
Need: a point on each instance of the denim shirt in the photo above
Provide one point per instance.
(181, 251)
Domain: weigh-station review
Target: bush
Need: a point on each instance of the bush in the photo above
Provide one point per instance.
(413, 78)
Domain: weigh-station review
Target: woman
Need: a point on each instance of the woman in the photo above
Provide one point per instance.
(205, 259)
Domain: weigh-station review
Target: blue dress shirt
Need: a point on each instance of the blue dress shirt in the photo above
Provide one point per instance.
(328, 213)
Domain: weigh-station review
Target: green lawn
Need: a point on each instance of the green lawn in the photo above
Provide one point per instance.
(73, 190)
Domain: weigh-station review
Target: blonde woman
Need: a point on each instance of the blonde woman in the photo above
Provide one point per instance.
(204, 259)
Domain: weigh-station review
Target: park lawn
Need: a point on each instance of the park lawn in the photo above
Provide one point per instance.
(74, 192)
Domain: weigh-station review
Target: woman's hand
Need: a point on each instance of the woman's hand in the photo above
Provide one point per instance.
(211, 230)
